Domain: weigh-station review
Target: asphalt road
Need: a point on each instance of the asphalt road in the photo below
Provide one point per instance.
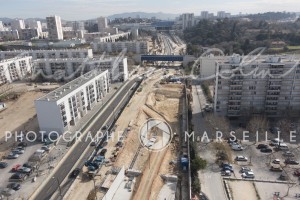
(52, 186)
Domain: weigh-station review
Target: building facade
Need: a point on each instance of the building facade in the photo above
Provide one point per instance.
(102, 23)
(17, 24)
(15, 69)
(1, 26)
(9, 35)
(55, 28)
(139, 47)
(118, 68)
(49, 54)
(64, 107)
(29, 33)
(187, 20)
(269, 85)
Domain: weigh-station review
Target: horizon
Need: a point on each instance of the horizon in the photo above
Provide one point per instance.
(74, 9)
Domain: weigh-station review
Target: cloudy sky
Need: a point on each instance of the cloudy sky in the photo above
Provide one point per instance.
(86, 9)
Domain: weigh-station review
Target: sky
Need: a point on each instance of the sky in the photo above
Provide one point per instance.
(88, 9)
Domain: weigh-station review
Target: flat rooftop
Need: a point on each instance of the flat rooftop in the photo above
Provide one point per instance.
(71, 86)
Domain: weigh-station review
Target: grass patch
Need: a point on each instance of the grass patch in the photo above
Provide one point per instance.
(206, 91)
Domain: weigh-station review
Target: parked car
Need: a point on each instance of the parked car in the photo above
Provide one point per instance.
(93, 143)
(226, 173)
(103, 152)
(16, 168)
(276, 161)
(276, 168)
(241, 158)
(248, 174)
(105, 127)
(7, 192)
(14, 186)
(46, 148)
(297, 172)
(275, 142)
(18, 151)
(227, 168)
(3, 165)
(24, 170)
(75, 173)
(245, 169)
(266, 150)
(28, 165)
(237, 148)
(18, 177)
(262, 146)
(291, 162)
(12, 156)
(288, 154)
(22, 144)
(226, 165)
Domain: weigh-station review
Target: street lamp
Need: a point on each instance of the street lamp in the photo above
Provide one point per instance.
(58, 185)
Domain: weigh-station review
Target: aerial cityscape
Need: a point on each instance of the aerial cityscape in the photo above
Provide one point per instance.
(184, 100)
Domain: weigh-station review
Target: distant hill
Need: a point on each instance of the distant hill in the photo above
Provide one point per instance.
(158, 15)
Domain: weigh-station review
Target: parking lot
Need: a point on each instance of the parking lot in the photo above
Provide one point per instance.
(264, 182)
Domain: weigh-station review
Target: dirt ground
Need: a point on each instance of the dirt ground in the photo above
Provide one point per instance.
(239, 189)
(20, 114)
(162, 103)
(154, 101)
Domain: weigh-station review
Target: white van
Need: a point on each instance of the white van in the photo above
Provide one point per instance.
(275, 142)
(282, 146)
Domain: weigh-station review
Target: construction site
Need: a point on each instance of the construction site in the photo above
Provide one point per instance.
(131, 171)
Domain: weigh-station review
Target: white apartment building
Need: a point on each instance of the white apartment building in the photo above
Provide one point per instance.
(118, 68)
(139, 47)
(35, 25)
(187, 20)
(223, 14)
(29, 33)
(76, 25)
(9, 35)
(54, 28)
(64, 107)
(17, 24)
(269, 85)
(1, 26)
(102, 37)
(102, 23)
(14, 69)
(49, 54)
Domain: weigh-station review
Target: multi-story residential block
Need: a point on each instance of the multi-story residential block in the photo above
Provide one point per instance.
(74, 34)
(17, 24)
(29, 33)
(54, 28)
(101, 37)
(49, 54)
(64, 107)
(9, 35)
(102, 23)
(74, 67)
(35, 25)
(15, 69)
(269, 85)
(223, 14)
(139, 47)
(1, 26)
(76, 25)
(187, 20)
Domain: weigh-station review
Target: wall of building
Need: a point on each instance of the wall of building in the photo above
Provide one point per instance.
(15, 69)
(64, 107)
